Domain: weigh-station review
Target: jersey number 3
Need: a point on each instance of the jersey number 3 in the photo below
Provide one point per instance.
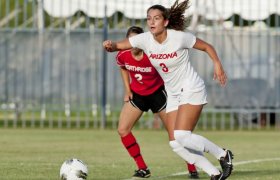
(164, 68)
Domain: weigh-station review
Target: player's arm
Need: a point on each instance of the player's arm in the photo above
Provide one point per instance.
(219, 73)
(126, 83)
(112, 46)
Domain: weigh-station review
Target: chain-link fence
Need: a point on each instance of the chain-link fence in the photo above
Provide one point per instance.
(53, 72)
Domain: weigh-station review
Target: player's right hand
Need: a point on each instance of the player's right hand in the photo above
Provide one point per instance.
(108, 45)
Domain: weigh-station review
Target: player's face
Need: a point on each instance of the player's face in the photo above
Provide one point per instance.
(156, 22)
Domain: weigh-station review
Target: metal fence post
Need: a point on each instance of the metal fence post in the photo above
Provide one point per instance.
(104, 71)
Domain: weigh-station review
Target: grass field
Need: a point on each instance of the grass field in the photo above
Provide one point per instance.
(36, 154)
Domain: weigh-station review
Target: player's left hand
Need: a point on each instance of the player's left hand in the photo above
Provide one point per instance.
(127, 96)
(219, 74)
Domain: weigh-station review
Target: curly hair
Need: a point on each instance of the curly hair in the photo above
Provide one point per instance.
(175, 14)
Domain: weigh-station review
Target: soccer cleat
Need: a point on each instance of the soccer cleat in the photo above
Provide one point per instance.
(141, 173)
(193, 175)
(218, 177)
(226, 163)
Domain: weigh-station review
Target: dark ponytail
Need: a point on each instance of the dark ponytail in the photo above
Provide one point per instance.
(177, 19)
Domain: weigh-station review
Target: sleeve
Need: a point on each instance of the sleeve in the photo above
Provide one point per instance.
(137, 41)
(188, 40)
(119, 59)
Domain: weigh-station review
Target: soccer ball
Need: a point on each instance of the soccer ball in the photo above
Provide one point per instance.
(73, 169)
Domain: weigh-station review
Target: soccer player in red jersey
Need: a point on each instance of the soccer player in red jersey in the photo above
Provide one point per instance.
(144, 90)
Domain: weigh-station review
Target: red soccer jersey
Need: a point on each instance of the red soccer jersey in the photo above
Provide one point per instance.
(144, 78)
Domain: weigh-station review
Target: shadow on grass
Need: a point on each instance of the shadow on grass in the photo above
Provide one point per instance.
(264, 174)
(256, 174)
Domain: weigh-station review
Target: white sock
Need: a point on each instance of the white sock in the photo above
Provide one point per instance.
(181, 151)
(198, 143)
(194, 157)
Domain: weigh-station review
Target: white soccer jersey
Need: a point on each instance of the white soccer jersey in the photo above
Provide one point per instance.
(171, 59)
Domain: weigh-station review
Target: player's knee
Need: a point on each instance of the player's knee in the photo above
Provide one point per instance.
(188, 140)
(174, 144)
(123, 131)
(182, 136)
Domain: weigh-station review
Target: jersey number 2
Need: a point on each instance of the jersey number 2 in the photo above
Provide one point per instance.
(163, 67)
(139, 78)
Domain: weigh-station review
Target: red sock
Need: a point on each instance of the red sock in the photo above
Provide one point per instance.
(133, 149)
(191, 167)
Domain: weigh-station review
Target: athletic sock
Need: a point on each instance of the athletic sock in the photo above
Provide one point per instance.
(198, 143)
(133, 149)
(194, 157)
(210, 147)
(206, 165)
(181, 151)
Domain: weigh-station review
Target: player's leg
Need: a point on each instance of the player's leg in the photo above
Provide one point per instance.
(187, 118)
(169, 126)
(190, 107)
(193, 157)
(128, 117)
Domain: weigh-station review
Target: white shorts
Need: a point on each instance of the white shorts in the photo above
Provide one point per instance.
(186, 97)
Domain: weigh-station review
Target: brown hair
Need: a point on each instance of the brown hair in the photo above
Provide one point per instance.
(134, 29)
(175, 14)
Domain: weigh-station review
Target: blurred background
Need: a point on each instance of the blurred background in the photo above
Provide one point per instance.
(54, 72)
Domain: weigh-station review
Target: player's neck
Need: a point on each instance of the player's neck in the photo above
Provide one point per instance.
(161, 37)
(137, 54)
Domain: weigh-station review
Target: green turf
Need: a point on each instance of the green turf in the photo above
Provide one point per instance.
(36, 154)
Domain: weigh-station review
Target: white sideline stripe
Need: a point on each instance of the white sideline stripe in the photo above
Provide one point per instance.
(234, 164)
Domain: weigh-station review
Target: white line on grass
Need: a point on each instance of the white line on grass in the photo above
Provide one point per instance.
(234, 164)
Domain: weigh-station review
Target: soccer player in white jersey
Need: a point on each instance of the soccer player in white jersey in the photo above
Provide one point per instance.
(144, 90)
(166, 45)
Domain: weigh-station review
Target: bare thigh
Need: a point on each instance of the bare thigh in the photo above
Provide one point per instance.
(187, 116)
(128, 117)
(169, 124)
